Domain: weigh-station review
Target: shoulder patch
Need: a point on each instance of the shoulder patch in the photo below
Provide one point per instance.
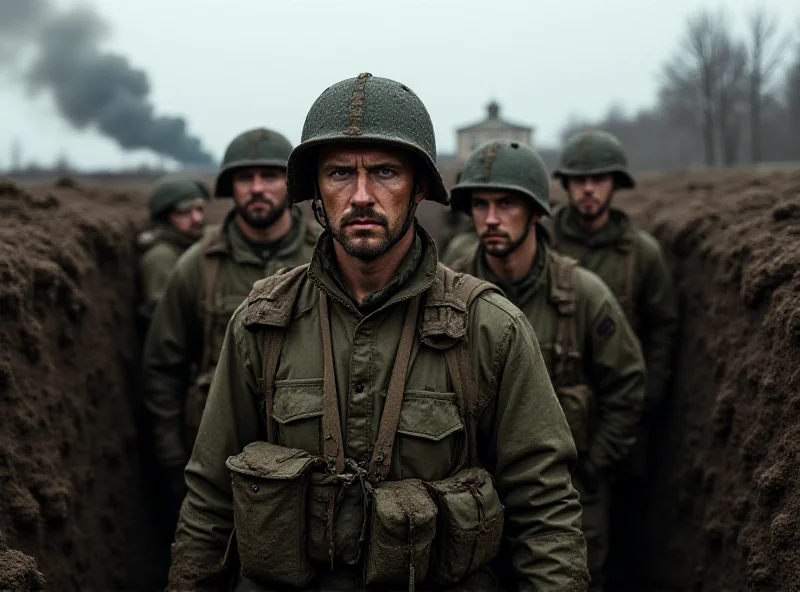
(606, 328)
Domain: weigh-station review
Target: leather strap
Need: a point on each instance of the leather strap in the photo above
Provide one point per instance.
(332, 447)
(390, 418)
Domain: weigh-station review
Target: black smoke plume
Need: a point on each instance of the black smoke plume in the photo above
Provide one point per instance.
(91, 87)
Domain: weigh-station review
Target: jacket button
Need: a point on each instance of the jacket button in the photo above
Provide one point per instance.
(360, 387)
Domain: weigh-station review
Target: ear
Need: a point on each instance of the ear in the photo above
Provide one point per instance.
(423, 186)
(535, 219)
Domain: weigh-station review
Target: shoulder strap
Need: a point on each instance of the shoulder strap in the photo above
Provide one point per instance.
(269, 308)
(447, 314)
(566, 347)
(627, 246)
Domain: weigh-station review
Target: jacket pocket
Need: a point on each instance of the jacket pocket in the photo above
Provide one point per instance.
(470, 525)
(297, 409)
(576, 402)
(401, 534)
(430, 434)
(270, 488)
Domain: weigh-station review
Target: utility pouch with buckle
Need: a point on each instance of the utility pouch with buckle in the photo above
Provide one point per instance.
(470, 525)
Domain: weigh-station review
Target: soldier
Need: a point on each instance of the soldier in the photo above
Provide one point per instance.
(628, 259)
(259, 236)
(177, 205)
(590, 350)
(359, 397)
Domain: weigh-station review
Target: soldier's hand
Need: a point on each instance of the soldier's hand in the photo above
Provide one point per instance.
(588, 475)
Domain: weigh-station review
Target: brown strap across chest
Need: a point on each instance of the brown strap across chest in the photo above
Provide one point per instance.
(211, 266)
(566, 346)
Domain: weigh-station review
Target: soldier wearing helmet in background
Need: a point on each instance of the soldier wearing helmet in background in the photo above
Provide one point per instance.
(377, 421)
(177, 206)
(260, 235)
(591, 352)
(630, 261)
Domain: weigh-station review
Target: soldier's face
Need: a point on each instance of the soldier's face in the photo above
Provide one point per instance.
(367, 192)
(188, 218)
(590, 195)
(260, 195)
(502, 219)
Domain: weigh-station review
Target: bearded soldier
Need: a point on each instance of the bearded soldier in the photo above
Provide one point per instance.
(377, 421)
(177, 206)
(591, 352)
(259, 236)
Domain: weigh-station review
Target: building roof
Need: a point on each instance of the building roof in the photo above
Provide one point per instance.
(493, 121)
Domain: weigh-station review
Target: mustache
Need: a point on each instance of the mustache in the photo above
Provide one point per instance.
(362, 213)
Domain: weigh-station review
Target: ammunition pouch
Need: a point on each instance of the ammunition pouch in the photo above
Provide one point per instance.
(470, 525)
(403, 527)
(270, 494)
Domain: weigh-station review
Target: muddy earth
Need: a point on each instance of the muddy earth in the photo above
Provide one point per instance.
(719, 510)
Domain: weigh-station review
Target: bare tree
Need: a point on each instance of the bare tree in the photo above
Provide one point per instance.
(792, 100)
(703, 85)
(731, 97)
(765, 49)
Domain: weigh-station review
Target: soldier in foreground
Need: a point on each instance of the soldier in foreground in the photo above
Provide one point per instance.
(591, 352)
(177, 206)
(259, 236)
(377, 421)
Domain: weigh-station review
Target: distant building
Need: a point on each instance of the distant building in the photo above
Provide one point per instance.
(491, 128)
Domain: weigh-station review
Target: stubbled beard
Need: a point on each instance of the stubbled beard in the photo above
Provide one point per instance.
(365, 251)
(265, 221)
(589, 216)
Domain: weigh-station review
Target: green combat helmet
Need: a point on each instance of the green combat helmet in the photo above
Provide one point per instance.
(364, 109)
(257, 147)
(594, 152)
(502, 165)
(171, 190)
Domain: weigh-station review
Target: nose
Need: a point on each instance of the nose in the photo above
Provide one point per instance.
(362, 195)
(589, 185)
(259, 184)
(491, 216)
(198, 216)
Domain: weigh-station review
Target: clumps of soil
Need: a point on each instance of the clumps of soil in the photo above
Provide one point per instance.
(18, 573)
(723, 509)
(71, 492)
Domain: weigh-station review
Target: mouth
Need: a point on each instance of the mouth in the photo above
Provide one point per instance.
(364, 223)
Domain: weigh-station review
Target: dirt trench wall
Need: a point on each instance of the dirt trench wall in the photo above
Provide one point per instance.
(724, 499)
(70, 481)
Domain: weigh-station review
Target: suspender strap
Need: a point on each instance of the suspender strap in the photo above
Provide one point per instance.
(382, 453)
(270, 354)
(210, 276)
(332, 447)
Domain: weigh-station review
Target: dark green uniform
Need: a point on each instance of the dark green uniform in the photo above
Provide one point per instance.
(631, 263)
(610, 364)
(162, 247)
(269, 414)
(178, 342)
(162, 244)
(592, 354)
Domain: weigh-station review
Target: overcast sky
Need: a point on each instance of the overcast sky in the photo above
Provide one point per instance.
(230, 65)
